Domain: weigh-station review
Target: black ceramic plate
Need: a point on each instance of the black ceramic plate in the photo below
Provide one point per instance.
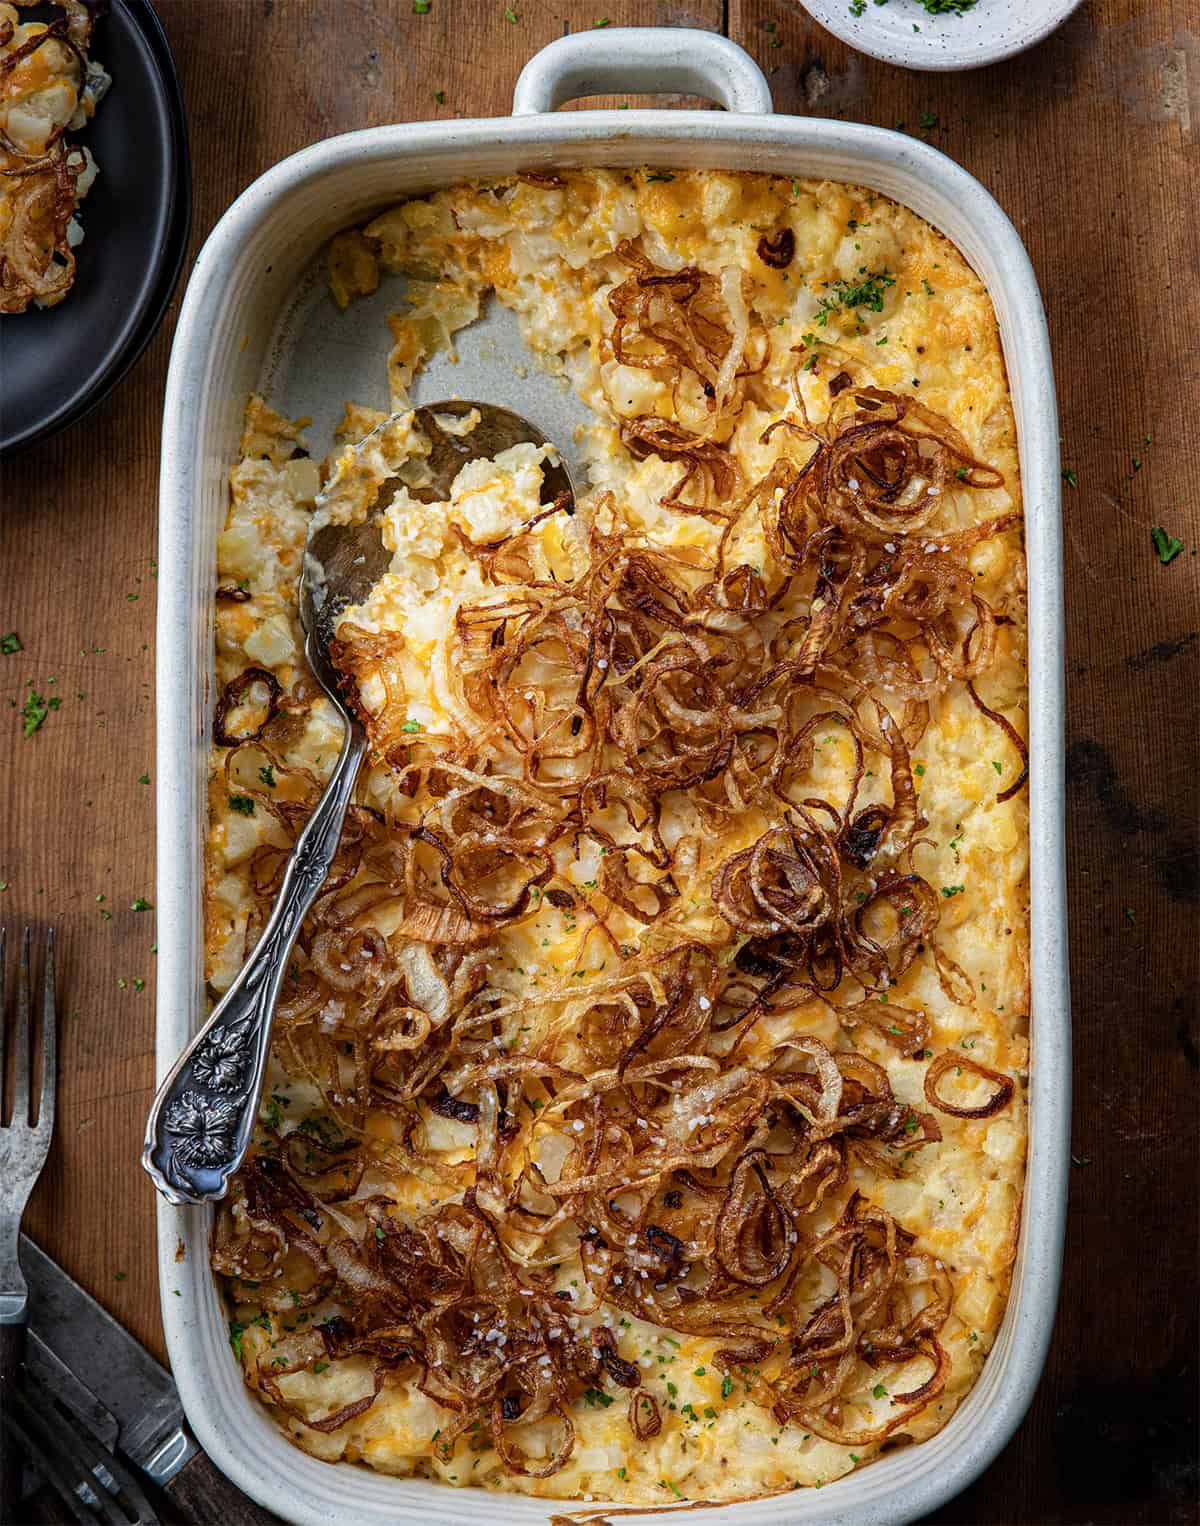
(55, 365)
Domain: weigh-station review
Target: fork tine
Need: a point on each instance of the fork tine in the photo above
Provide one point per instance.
(20, 1039)
(49, 1039)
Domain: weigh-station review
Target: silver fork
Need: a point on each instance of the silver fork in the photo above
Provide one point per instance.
(24, 1145)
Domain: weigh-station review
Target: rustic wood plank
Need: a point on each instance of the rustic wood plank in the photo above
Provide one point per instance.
(1090, 143)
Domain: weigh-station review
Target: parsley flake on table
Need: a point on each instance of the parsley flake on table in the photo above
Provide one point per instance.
(140, 904)
(11, 644)
(1168, 546)
(929, 119)
(1069, 477)
(35, 710)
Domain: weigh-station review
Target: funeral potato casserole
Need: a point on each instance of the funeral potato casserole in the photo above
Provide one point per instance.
(646, 1118)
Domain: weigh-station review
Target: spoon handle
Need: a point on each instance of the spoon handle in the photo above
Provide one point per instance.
(201, 1121)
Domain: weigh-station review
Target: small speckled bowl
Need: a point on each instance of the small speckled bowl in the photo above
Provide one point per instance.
(903, 32)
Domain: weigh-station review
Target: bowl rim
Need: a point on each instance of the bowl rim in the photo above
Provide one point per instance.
(913, 50)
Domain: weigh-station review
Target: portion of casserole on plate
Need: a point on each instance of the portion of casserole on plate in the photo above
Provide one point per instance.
(48, 86)
(647, 1112)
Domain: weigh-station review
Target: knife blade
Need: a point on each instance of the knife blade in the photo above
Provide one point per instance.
(136, 1390)
(58, 1379)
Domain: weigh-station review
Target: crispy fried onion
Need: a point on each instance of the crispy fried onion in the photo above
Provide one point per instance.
(247, 705)
(693, 327)
(438, 1300)
(948, 1061)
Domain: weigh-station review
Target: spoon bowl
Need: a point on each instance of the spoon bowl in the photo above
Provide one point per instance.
(342, 563)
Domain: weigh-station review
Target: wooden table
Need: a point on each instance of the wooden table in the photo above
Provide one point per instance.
(1090, 142)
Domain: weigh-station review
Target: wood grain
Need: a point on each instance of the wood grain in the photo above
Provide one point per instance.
(1090, 142)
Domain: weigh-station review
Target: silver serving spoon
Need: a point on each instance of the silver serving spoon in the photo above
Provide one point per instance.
(202, 1118)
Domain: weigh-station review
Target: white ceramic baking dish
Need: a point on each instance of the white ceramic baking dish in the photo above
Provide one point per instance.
(244, 326)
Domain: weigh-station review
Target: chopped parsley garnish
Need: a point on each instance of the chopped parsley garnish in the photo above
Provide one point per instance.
(597, 1398)
(659, 177)
(867, 292)
(143, 778)
(1167, 546)
(933, 7)
(879, 1391)
(511, 15)
(949, 890)
(10, 644)
(420, 7)
(319, 1367)
(140, 903)
(242, 804)
(267, 775)
(411, 726)
(726, 1387)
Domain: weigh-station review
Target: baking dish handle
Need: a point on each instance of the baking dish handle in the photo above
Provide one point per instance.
(642, 60)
